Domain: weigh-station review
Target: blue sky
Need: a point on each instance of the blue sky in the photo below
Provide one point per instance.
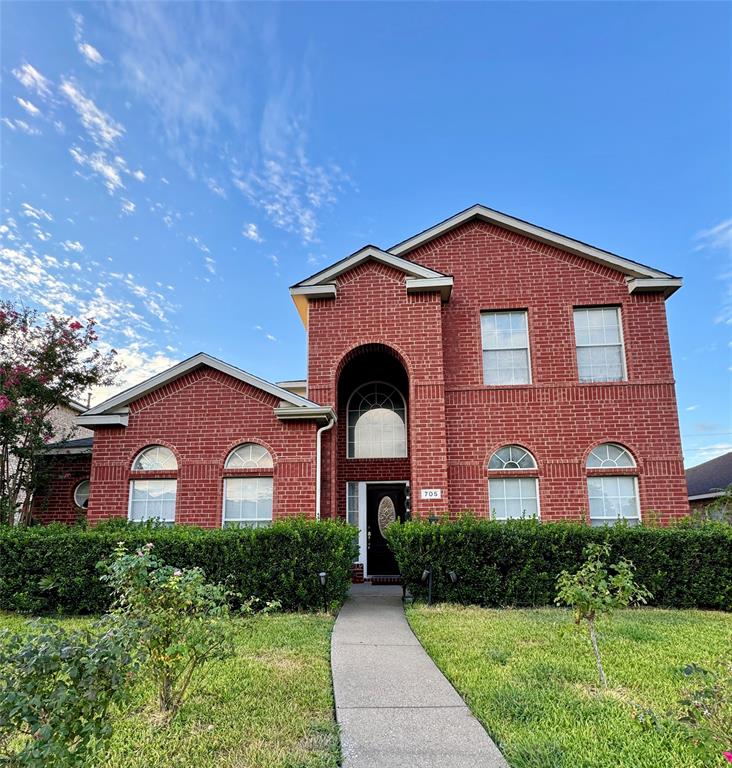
(171, 168)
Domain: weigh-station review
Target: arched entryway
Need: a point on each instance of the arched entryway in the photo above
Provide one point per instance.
(373, 456)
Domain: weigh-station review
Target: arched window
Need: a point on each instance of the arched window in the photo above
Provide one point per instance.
(249, 456)
(248, 500)
(612, 496)
(513, 497)
(154, 498)
(81, 494)
(377, 423)
(156, 457)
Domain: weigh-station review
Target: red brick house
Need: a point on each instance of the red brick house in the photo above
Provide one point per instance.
(485, 364)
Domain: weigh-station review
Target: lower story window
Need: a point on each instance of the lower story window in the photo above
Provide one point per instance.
(352, 503)
(613, 499)
(513, 498)
(81, 495)
(247, 502)
(153, 500)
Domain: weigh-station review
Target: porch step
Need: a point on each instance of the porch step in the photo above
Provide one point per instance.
(385, 580)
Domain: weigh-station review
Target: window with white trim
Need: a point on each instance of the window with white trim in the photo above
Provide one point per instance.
(377, 422)
(154, 499)
(248, 500)
(612, 497)
(599, 342)
(352, 503)
(505, 337)
(513, 498)
(81, 494)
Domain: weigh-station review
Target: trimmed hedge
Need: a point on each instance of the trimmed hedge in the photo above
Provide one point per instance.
(517, 563)
(53, 569)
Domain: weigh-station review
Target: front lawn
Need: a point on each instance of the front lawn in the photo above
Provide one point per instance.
(270, 706)
(530, 677)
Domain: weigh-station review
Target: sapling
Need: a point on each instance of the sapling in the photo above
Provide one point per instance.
(597, 589)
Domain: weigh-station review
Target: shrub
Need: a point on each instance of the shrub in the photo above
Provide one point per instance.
(56, 687)
(49, 569)
(176, 617)
(517, 563)
(597, 589)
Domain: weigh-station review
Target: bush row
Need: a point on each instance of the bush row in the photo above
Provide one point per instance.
(53, 569)
(517, 563)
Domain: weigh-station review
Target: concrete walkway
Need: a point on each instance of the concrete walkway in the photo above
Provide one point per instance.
(394, 707)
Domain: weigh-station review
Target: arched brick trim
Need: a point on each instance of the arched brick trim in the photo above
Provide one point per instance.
(365, 347)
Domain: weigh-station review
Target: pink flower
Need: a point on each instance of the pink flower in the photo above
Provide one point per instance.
(4, 402)
(727, 756)
(75, 326)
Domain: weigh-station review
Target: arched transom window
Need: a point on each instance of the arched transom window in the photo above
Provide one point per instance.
(249, 456)
(248, 500)
(613, 497)
(509, 497)
(377, 423)
(154, 499)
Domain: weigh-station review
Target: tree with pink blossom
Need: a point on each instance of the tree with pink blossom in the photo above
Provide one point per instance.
(45, 362)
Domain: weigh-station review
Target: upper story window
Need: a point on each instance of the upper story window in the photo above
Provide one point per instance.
(599, 339)
(613, 496)
(512, 498)
(505, 347)
(377, 422)
(154, 499)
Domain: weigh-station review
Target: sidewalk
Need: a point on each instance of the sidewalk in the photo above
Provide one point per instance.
(394, 707)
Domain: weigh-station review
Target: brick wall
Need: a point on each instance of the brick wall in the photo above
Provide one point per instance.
(556, 417)
(55, 502)
(201, 417)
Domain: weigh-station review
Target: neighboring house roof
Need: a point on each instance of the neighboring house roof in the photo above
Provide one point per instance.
(709, 480)
(80, 445)
(639, 277)
(115, 410)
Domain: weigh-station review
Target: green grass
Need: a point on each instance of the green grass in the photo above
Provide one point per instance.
(530, 677)
(270, 706)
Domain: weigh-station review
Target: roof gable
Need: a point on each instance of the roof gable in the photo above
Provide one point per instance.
(114, 411)
(631, 269)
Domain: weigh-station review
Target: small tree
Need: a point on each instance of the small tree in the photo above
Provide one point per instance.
(44, 363)
(719, 510)
(178, 618)
(597, 589)
(56, 688)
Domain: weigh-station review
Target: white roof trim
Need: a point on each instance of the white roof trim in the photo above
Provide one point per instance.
(369, 252)
(319, 412)
(89, 419)
(428, 284)
(576, 247)
(667, 286)
(68, 451)
(701, 496)
(138, 391)
(314, 291)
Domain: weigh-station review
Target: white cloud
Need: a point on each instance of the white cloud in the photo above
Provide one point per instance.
(719, 238)
(691, 407)
(210, 264)
(216, 188)
(89, 52)
(102, 129)
(270, 337)
(139, 175)
(140, 360)
(198, 243)
(108, 169)
(251, 232)
(34, 213)
(20, 125)
(33, 80)
(72, 245)
(704, 453)
(128, 206)
(28, 106)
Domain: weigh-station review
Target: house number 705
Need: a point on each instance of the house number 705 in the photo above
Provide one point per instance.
(431, 493)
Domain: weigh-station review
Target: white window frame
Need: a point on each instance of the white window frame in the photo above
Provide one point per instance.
(520, 474)
(621, 334)
(348, 423)
(247, 519)
(610, 475)
(76, 489)
(152, 480)
(483, 349)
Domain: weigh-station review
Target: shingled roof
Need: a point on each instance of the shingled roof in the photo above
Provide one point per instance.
(709, 479)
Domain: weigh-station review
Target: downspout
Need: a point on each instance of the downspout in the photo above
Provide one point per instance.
(318, 452)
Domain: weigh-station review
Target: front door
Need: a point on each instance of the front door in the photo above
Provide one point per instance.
(384, 503)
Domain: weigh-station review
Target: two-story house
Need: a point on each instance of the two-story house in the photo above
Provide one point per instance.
(485, 364)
